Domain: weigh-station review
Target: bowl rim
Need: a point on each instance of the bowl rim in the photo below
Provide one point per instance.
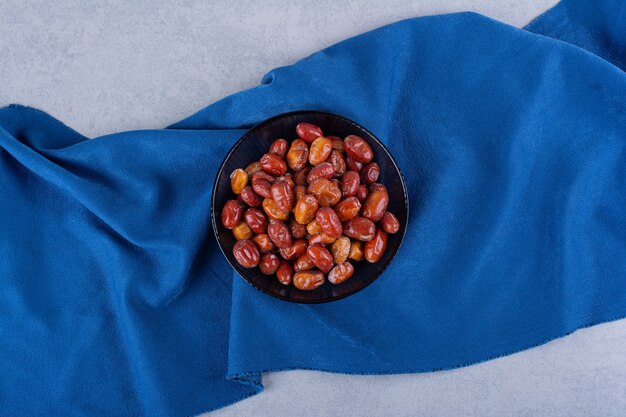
(240, 270)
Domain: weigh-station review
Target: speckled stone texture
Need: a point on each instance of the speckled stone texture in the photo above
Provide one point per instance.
(105, 67)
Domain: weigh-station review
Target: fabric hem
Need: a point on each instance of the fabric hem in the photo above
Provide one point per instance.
(244, 377)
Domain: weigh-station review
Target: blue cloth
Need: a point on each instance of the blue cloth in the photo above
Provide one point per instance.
(115, 300)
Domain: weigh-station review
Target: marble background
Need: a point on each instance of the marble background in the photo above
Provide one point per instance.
(102, 67)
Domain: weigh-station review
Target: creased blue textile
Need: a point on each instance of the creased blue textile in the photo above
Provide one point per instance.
(115, 300)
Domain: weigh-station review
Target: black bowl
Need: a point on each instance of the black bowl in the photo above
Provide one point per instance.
(252, 146)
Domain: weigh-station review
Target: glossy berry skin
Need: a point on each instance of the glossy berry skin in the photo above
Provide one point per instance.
(270, 207)
(323, 170)
(320, 150)
(287, 178)
(338, 162)
(279, 233)
(358, 149)
(377, 187)
(321, 257)
(273, 164)
(296, 250)
(297, 155)
(284, 273)
(269, 264)
(347, 208)
(300, 176)
(256, 220)
(370, 173)
(341, 273)
(375, 205)
(340, 249)
(356, 250)
(231, 214)
(303, 263)
(299, 191)
(329, 222)
(308, 131)
(246, 253)
(321, 238)
(326, 191)
(362, 193)
(375, 248)
(279, 148)
(305, 209)
(350, 183)
(313, 228)
(249, 197)
(263, 243)
(261, 183)
(242, 231)
(353, 165)
(359, 228)
(308, 280)
(390, 223)
(283, 195)
(337, 143)
(238, 180)
(252, 168)
(298, 231)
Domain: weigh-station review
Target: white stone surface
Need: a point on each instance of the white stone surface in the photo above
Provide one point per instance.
(105, 67)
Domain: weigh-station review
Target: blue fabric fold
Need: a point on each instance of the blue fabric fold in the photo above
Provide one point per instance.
(115, 300)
